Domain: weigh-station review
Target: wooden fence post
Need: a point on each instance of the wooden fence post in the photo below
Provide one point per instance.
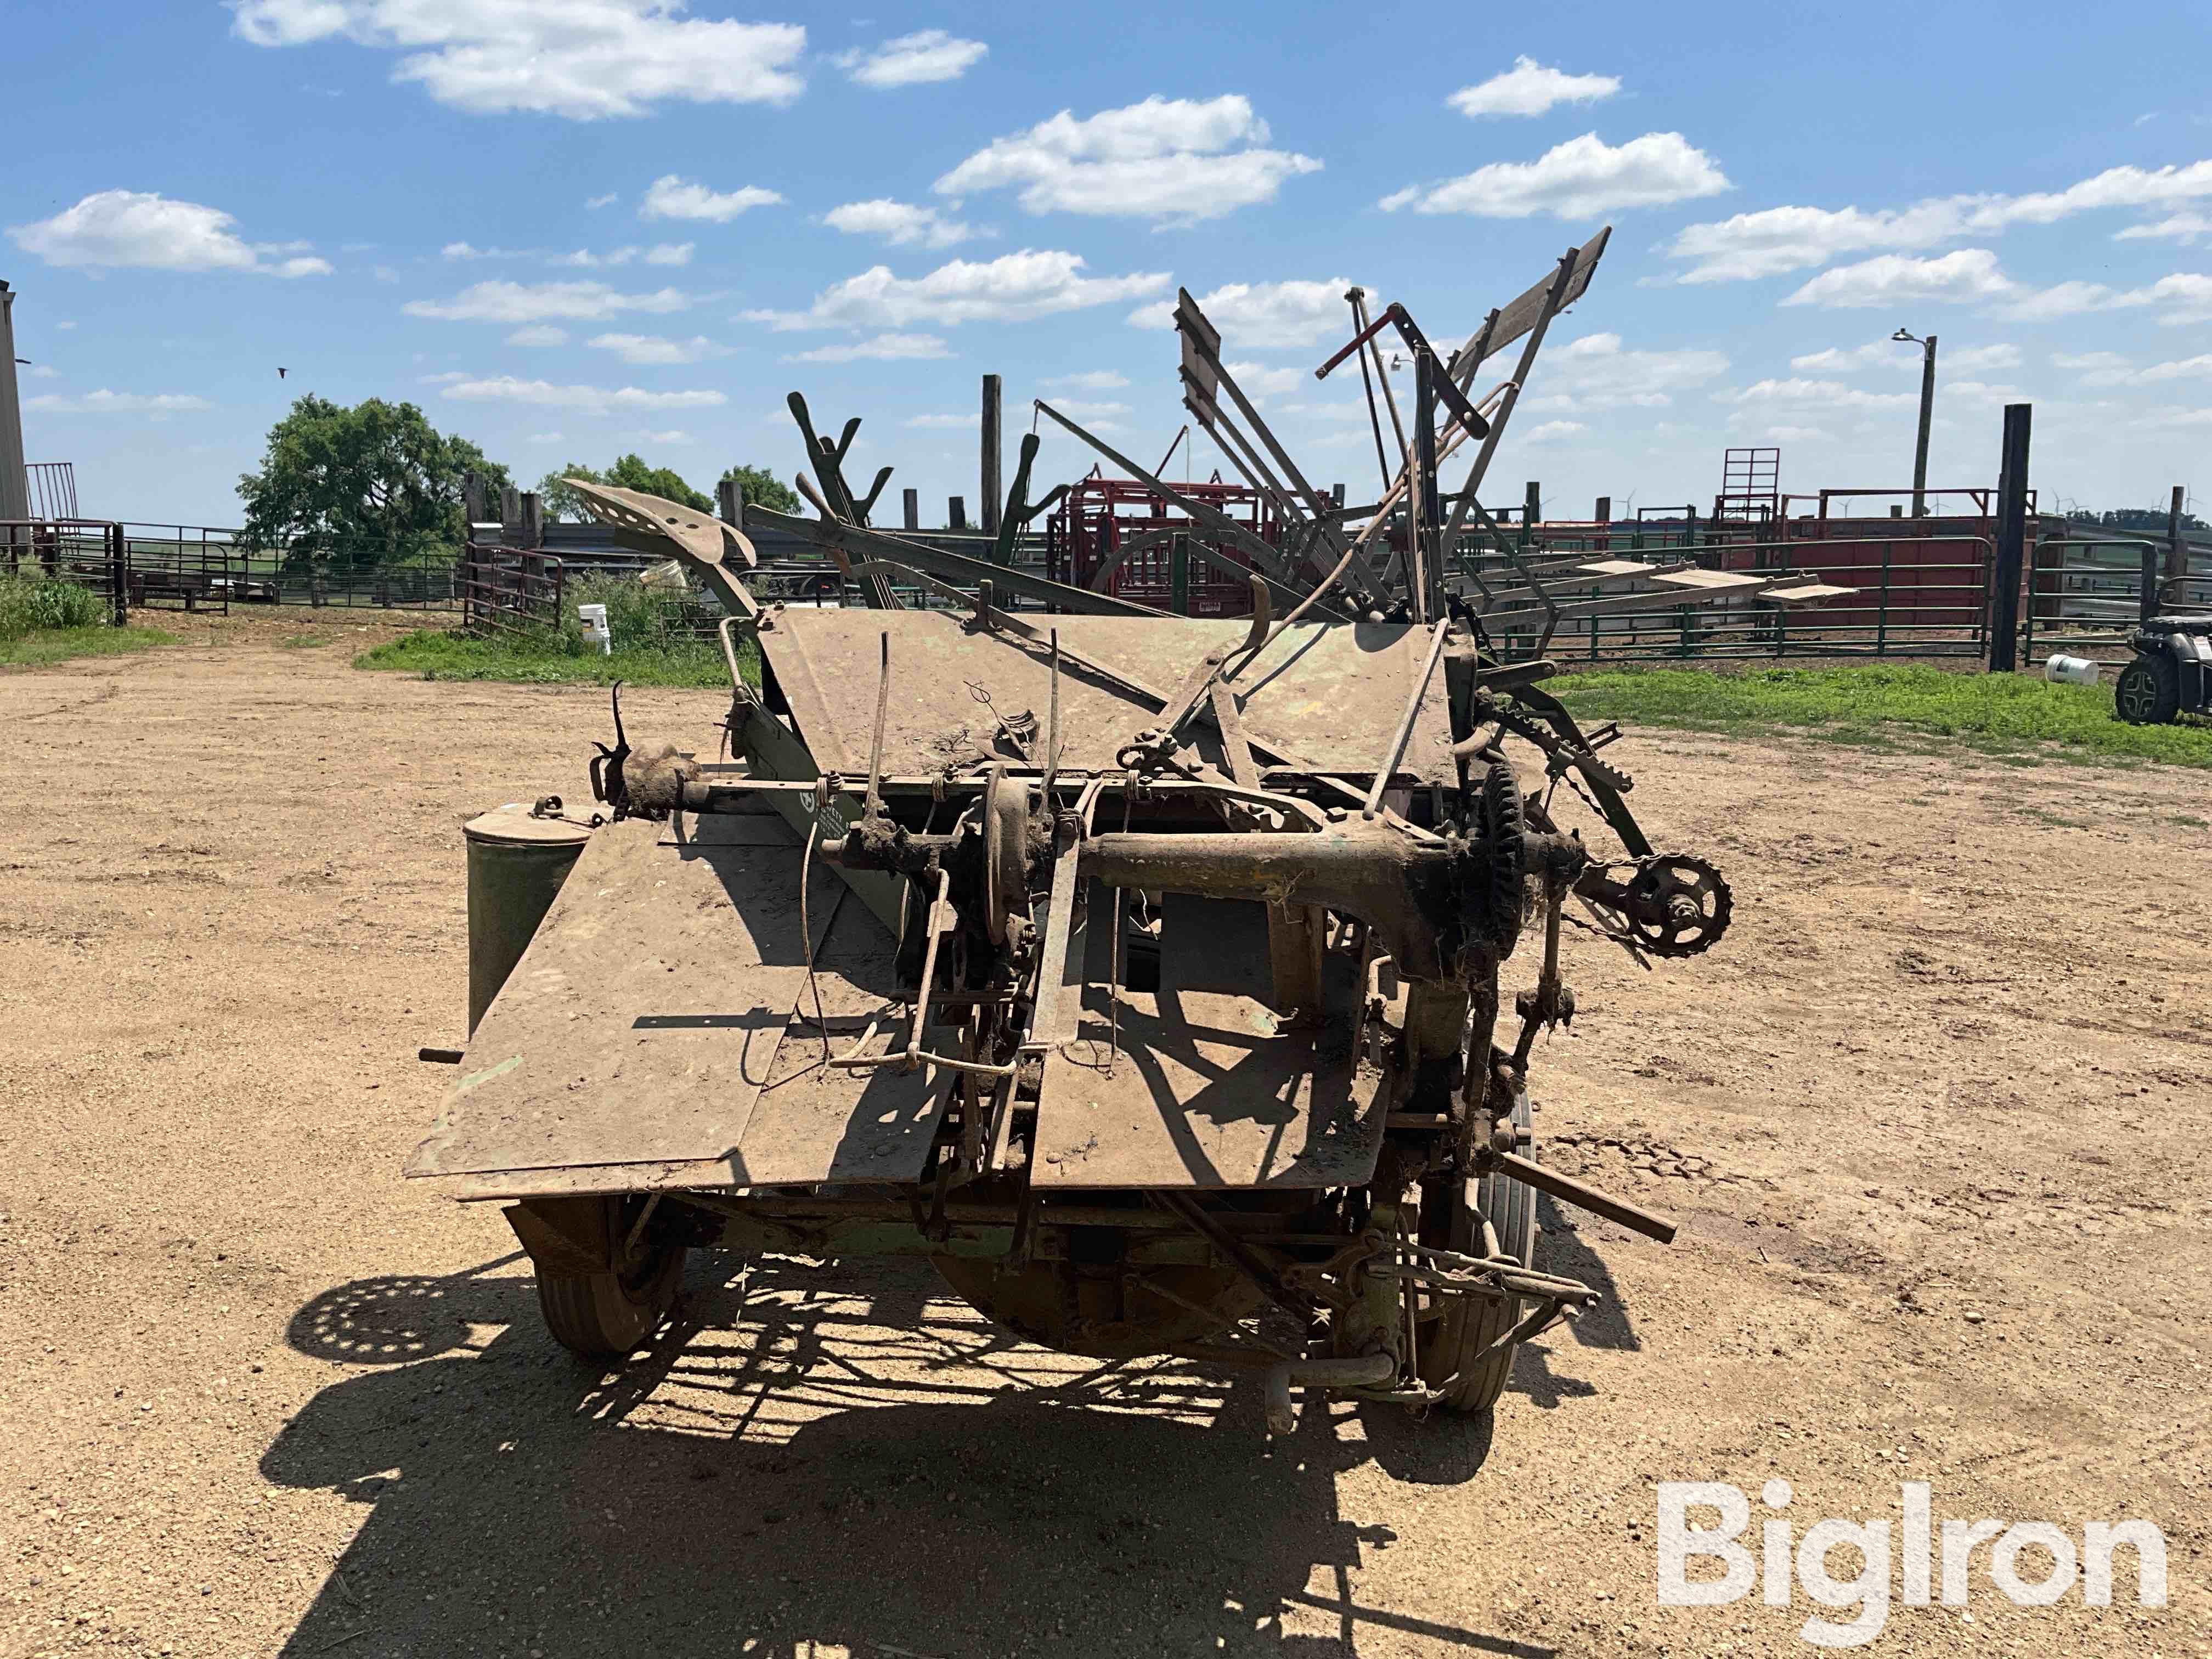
(2176, 553)
(2012, 540)
(730, 503)
(994, 489)
(956, 513)
(911, 500)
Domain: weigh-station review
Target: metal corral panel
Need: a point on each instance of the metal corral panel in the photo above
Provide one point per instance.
(1331, 694)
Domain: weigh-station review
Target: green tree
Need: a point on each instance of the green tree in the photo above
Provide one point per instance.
(761, 487)
(556, 501)
(374, 484)
(2139, 521)
(629, 473)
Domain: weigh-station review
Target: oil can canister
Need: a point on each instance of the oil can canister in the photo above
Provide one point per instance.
(517, 862)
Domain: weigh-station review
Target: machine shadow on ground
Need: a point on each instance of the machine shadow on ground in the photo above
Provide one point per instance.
(841, 1455)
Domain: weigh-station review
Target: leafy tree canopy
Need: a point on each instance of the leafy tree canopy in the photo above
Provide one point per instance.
(762, 488)
(374, 483)
(756, 484)
(557, 500)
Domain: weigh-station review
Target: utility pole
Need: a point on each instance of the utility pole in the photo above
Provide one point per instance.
(15, 486)
(1927, 414)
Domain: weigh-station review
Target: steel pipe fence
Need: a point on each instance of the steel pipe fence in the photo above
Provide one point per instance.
(1923, 607)
(2087, 595)
(89, 552)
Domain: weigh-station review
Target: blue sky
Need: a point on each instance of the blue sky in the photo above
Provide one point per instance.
(569, 231)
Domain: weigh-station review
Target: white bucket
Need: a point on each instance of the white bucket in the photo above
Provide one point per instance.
(595, 627)
(2071, 670)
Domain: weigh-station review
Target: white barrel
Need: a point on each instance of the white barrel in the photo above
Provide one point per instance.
(594, 618)
(2071, 670)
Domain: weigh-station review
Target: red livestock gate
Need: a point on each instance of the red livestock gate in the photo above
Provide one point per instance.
(1116, 536)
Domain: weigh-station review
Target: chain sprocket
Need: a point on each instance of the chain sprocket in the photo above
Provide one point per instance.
(1670, 904)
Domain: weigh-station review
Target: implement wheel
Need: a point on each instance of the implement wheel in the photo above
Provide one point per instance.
(2149, 692)
(604, 1316)
(1495, 1214)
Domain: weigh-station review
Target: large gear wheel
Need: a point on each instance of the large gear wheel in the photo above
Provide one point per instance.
(1503, 822)
(1677, 905)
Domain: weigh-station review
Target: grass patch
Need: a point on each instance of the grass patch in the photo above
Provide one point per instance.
(43, 622)
(304, 642)
(60, 644)
(657, 642)
(2014, 718)
(32, 604)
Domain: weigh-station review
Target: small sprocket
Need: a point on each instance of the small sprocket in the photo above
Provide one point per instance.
(1676, 905)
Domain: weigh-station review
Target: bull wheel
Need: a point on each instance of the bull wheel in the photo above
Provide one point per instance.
(1494, 1213)
(606, 1315)
(2149, 692)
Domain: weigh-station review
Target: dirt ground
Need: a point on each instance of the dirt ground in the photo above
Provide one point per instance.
(1934, 1116)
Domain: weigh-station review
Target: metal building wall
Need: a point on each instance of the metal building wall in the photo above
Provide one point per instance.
(15, 492)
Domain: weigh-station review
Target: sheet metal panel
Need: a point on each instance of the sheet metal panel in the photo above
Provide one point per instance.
(645, 1017)
(1331, 692)
(1206, 1092)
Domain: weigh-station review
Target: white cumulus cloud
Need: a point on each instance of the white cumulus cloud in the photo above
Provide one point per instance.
(1552, 431)
(144, 230)
(537, 302)
(1173, 160)
(1530, 88)
(584, 59)
(538, 334)
(883, 348)
(1013, 288)
(942, 423)
(660, 253)
(897, 222)
(1803, 390)
(914, 60)
(1597, 372)
(104, 402)
(2184, 227)
(1904, 357)
(673, 198)
(1091, 380)
(646, 348)
(1265, 315)
(543, 394)
(1583, 177)
(1890, 279)
(1774, 241)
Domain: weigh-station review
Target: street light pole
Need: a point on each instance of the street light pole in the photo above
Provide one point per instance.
(1927, 413)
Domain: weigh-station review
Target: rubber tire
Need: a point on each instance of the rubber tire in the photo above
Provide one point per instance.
(2151, 684)
(1470, 1324)
(605, 1315)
